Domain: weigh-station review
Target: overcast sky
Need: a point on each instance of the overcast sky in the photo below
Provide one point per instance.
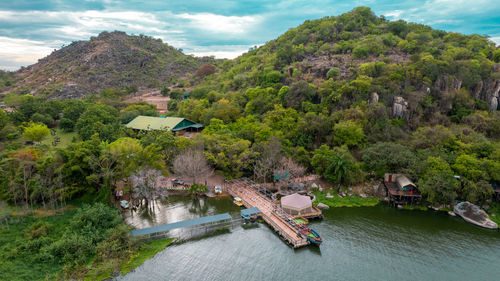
(30, 30)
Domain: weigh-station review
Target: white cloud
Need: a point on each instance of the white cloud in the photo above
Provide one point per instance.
(15, 52)
(220, 51)
(220, 24)
(394, 14)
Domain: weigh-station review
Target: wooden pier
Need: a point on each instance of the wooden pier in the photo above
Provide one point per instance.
(271, 213)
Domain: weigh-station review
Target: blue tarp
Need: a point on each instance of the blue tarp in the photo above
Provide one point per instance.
(180, 224)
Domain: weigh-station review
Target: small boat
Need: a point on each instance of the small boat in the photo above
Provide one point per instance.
(217, 190)
(301, 220)
(314, 238)
(237, 201)
(124, 204)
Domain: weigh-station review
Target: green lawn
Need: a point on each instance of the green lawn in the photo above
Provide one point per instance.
(348, 201)
(64, 137)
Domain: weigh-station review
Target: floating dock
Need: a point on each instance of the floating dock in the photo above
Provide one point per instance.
(271, 213)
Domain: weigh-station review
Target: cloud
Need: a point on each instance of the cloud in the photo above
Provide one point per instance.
(220, 24)
(220, 51)
(15, 52)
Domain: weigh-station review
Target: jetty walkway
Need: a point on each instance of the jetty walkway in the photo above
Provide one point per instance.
(271, 213)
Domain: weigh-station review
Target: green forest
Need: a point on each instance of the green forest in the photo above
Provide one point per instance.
(348, 97)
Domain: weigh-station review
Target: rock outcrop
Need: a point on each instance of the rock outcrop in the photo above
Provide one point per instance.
(374, 98)
(473, 214)
(399, 108)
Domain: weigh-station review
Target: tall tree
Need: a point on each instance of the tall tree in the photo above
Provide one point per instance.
(191, 163)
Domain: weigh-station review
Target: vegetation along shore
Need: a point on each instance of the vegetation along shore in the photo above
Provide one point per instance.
(351, 98)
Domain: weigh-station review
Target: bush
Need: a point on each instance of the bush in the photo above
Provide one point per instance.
(67, 125)
(333, 72)
(38, 229)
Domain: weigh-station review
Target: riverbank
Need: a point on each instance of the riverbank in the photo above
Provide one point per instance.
(80, 242)
(347, 201)
(124, 265)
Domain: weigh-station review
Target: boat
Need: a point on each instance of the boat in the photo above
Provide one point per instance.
(312, 235)
(473, 214)
(314, 238)
(237, 201)
(217, 190)
(124, 204)
(301, 220)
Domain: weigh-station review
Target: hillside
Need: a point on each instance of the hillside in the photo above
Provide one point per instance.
(110, 60)
(335, 62)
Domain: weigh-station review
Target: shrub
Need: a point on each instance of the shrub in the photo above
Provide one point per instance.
(333, 72)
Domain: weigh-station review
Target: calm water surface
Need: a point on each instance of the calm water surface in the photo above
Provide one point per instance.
(376, 243)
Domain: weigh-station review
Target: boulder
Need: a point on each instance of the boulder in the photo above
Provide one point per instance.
(328, 195)
(400, 207)
(323, 206)
(451, 213)
(473, 214)
(493, 104)
(296, 186)
(374, 98)
(399, 108)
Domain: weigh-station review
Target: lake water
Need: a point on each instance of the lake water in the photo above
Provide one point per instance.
(372, 243)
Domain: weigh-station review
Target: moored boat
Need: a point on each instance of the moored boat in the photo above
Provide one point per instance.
(237, 201)
(314, 238)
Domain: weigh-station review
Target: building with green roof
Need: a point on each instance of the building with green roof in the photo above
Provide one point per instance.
(175, 124)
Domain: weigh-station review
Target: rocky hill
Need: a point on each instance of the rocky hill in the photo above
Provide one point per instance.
(414, 70)
(110, 60)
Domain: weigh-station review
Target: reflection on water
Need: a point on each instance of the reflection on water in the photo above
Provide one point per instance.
(377, 243)
(177, 208)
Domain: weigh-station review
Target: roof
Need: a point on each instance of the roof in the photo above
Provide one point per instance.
(180, 224)
(296, 201)
(148, 123)
(250, 212)
(403, 181)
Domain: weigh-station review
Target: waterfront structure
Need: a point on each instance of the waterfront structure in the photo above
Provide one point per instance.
(203, 224)
(400, 190)
(296, 204)
(271, 213)
(178, 125)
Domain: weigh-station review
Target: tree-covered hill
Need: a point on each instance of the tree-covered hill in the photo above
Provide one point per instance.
(335, 62)
(110, 60)
(349, 97)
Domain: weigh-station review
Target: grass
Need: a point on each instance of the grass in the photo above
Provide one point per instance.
(147, 251)
(110, 267)
(65, 138)
(348, 201)
(494, 209)
(415, 207)
(16, 263)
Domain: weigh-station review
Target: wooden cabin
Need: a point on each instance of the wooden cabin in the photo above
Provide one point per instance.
(401, 190)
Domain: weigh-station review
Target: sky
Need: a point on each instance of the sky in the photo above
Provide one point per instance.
(32, 29)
